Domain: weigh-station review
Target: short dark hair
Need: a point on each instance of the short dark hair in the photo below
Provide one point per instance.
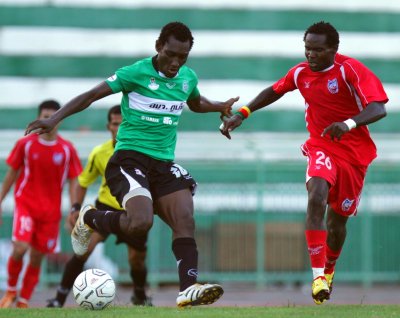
(178, 30)
(49, 104)
(332, 35)
(113, 110)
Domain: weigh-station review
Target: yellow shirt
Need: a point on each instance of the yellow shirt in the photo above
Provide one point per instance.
(95, 167)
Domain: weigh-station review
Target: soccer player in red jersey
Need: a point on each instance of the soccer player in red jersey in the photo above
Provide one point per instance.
(342, 96)
(39, 165)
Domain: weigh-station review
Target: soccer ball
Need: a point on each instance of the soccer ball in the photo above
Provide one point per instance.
(94, 289)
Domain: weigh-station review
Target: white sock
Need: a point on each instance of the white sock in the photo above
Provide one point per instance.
(317, 272)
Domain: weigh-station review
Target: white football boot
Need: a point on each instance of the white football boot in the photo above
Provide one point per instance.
(80, 235)
(199, 294)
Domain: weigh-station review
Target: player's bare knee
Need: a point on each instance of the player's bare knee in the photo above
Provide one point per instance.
(139, 225)
(316, 198)
(19, 250)
(335, 230)
(330, 231)
(330, 226)
(138, 229)
(139, 211)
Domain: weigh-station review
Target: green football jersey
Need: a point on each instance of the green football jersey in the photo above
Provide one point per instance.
(151, 107)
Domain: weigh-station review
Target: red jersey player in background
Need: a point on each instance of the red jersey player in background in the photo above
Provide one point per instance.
(342, 96)
(39, 165)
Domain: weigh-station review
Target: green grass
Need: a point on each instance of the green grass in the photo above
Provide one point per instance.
(328, 311)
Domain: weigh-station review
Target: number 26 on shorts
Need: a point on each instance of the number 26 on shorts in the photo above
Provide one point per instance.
(323, 160)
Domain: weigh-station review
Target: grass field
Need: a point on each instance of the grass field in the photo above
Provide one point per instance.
(328, 311)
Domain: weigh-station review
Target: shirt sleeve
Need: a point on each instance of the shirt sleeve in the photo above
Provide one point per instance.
(16, 157)
(90, 172)
(121, 81)
(366, 84)
(286, 83)
(194, 94)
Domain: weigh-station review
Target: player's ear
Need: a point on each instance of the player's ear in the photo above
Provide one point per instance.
(158, 46)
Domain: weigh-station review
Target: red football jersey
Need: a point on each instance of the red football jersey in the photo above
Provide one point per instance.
(336, 94)
(44, 167)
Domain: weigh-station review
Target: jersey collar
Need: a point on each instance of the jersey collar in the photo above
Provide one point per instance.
(47, 142)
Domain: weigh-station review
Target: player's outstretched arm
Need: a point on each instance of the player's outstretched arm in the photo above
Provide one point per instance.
(372, 113)
(75, 105)
(202, 104)
(9, 180)
(263, 99)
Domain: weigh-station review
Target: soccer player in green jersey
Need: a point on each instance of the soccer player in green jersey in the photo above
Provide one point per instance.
(137, 246)
(141, 173)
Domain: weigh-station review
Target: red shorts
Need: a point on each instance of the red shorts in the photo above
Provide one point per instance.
(346, 180)
(42, 236)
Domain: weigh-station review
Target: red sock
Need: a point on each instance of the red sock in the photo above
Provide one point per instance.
(316, 243)
(331, 258)
(31, 279)
(14, 268)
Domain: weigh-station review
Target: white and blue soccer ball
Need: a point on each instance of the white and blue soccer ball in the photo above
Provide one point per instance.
(94, 289)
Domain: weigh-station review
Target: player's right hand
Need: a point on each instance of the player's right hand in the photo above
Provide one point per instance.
(229, 124)
(40, 126)
(335, 130)
(72, 218)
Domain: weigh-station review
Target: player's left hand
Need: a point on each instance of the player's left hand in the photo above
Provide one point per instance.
(229, 124)
(71, 220)
(227, 107)
(336, 130)
(40, 126)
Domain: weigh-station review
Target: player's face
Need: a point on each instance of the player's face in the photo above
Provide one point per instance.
(171, 56)
(113, 125)
(47, 113)
(319, 55)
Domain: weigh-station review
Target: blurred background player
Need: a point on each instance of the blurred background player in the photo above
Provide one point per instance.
(94, 168)
(342, 97)
(39, 166)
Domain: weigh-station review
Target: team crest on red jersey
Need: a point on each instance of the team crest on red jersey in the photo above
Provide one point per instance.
(346, 204)
(51, 244)
(58, 158)
(333, 86)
